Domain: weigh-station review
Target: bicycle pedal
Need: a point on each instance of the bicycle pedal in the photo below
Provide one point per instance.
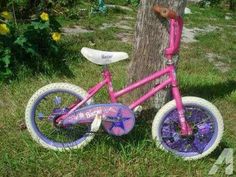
(138, 110)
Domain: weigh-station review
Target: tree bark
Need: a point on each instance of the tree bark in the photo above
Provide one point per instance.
(151, 38)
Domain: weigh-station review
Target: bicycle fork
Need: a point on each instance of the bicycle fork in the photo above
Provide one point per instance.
(186, 129)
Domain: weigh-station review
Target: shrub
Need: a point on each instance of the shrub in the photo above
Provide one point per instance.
(230, 3)
(34, 41)
(204, 3)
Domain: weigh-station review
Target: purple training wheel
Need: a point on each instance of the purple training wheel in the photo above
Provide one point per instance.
(205, 130)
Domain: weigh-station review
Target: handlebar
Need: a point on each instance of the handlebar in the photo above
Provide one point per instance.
(165, 12)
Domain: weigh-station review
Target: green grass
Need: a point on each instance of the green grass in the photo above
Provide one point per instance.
(134, 154)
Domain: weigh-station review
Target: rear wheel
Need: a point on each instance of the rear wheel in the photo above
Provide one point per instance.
(205, 120)
(43, 110)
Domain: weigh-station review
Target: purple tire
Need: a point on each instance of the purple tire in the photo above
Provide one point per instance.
(205, 120)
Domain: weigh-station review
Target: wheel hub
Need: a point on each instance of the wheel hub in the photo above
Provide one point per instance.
(57, 112)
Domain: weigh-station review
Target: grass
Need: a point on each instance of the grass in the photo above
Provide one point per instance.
(134, 154)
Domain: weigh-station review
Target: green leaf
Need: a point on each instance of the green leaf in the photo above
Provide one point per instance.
(8, 72)
(40, 25)
(31, 51)
(20, 40)
(7, 60)
(36, 25)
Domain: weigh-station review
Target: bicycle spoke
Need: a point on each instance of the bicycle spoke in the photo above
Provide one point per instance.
(57, 100)
(51, 107)
(202, 126)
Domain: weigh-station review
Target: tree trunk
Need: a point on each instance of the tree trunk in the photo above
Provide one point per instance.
(151, 38)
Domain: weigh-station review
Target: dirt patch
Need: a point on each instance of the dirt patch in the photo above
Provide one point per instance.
(195, 1)
(106, 26)
(128, 18)
(1, 104)
(228, 18)
(75, 30)
(126, 37)
(215, 60)
(189, 35)
(119, 7)
(122, 24)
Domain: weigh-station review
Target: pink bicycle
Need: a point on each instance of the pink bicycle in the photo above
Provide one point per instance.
(62, 116)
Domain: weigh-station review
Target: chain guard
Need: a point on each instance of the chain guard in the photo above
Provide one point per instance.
(117, 119)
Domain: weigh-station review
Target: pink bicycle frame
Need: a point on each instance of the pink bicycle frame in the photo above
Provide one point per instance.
(176, 26)
(114, 95)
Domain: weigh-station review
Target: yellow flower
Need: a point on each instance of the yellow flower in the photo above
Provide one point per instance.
(56, 36)
(4, 30)
(44, 16)
(6, 15)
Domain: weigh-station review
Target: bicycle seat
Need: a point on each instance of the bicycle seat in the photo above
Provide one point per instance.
(103, 57)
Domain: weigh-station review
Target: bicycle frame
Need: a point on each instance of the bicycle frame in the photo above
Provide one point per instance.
(114, 95)
(175, 36)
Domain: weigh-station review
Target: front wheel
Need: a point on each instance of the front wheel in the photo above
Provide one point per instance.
(205, 120)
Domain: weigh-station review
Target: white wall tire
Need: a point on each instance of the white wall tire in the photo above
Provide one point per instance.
(188, 101)
(29, 119)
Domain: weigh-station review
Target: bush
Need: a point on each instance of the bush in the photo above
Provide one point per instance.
(232, 4)
(212, 3)
(204, 3)
(35, 41)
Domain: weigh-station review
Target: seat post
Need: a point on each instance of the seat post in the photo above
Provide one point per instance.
(105, 67)
(105, 72)
(108, 79)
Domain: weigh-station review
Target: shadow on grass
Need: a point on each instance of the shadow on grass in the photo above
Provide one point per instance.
(216, 153)
(140, 133)
(211, 92)
(53, 65)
